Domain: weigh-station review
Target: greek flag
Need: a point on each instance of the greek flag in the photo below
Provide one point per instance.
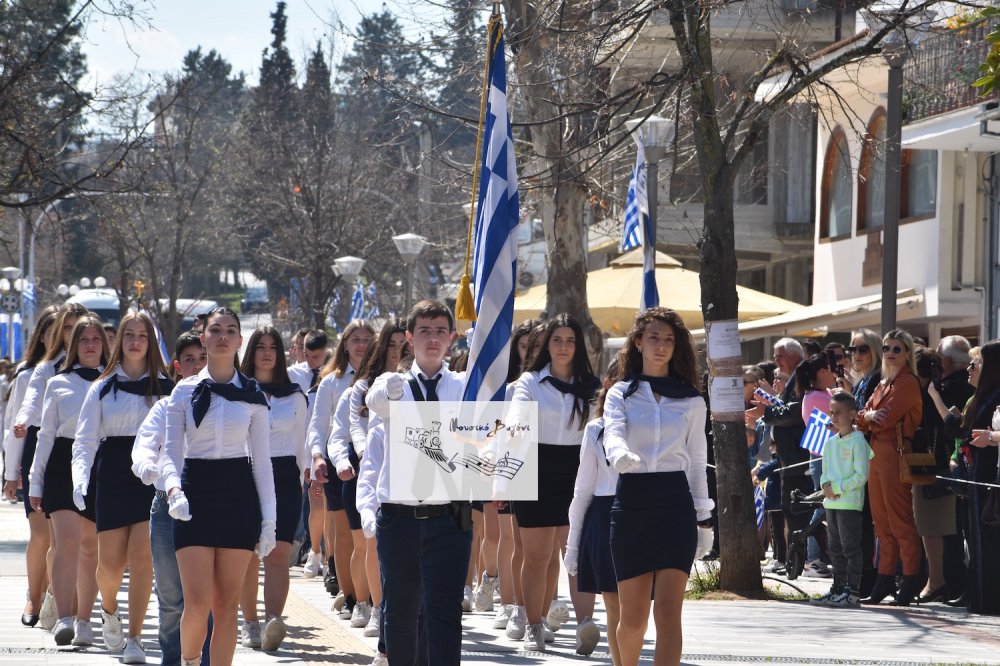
(373, 309)
(816, 433)
(358, 303)
(331, 312)
(497, 216)
(636, 207)
(772, 400)
(758, 505)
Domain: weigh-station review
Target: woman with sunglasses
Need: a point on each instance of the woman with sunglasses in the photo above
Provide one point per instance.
(895, 407)
(866, 364)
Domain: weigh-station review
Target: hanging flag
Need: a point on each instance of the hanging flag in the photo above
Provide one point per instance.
(373, 309)
(331, 312)
(816, 432)
(758, 505)
(358, 303)
(497, 216)
(636, 205)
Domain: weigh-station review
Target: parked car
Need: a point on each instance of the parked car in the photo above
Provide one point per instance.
(255, 299)
(188, 309)
(105, 303)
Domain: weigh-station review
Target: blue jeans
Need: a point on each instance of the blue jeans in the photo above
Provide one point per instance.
(167, 583)
(424, 563)
(813, 550)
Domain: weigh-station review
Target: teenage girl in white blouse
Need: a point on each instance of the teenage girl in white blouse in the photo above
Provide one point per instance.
(654, 435)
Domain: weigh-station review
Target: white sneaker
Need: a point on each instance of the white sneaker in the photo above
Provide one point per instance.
(114, 639)
(534, 638)
(83, 633)
(515, 626)
(558, 614)
(815, 569)
(588, 635)
(48, 615)
(313, 565)
(347, 612)
(338, 602)
(134, 652)
(503, 616)
(547, 633)
(251, 634)
(467, 600)
(274, 632)
(380, 660)
(372, 628)
(63, 630)
(484, 593)
(362, 613)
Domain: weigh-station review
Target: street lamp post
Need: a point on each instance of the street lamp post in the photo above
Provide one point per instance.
(894, 51)
(654, 134)
(10, 302)
(348, 268)
(409, 246)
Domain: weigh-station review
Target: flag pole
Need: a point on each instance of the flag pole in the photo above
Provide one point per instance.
(465, 308)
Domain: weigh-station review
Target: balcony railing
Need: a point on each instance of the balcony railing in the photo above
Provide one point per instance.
(938, 77)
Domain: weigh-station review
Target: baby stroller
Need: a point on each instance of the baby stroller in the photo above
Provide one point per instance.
(795, 559)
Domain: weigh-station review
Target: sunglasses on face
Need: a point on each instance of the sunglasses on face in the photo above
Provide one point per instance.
(973, 365)
(860, 349)
(895, 349)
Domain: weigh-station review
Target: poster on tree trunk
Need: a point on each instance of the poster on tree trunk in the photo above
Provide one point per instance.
(725, 363)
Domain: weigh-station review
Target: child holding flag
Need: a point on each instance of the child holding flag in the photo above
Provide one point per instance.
(845, 473)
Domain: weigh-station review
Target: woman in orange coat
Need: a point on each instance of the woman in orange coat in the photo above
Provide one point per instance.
(896, 401)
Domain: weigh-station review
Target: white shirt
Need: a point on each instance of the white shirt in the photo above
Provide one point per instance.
(359, 422)
(61, 406)
(337, 447)
(301, 374)
(450, 387)
(225, 432)
(668, 436)
(594, 478)
(113, 416)
(149, 441)
(30, 413)
(369, 478)
(554, 408)
(288, 428)
(324, 402)
(13, 446)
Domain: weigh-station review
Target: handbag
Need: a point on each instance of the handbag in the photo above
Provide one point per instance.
(918, 469)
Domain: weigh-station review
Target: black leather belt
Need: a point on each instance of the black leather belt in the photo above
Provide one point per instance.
(420, 511)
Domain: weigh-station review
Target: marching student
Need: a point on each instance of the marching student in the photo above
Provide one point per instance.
(423, 547)
(17, 465)
(265, 362)
(74, 561)
(654, 435)
(560, 380)
(113, 409)
(313, 353)
(147, 455)
(336, 376)
(224, 501)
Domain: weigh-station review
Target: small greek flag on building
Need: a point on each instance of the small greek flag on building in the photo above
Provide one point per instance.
(758, 505)
(497, 217)
(816, 433)
(358, 303)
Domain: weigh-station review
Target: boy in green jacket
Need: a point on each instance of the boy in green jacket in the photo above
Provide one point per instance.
(845, 473)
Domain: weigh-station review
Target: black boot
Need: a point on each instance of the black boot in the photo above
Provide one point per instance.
(884, 587)
(330, 580)
(907, 591)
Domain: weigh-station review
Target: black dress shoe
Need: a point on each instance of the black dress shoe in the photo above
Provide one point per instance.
(961, 602)
(940, 594)
(884, 586)
(907, 591)
(29, 620)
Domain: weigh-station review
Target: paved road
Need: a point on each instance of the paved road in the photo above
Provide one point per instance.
(715, 632)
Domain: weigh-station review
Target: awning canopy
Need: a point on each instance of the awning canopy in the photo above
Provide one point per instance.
(819, 319)
(959, 130)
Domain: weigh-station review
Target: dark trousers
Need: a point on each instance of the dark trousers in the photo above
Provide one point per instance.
(776, 523)
(844, 529)
(424, 563)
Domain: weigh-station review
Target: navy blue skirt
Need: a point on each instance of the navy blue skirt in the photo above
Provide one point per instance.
(596, 568)
(332, 489)
(225, 509)
(349, 490)
(27, 456)
(57, 492)
(653, 524)
(557, 467)
(122, 499)
(288, 496)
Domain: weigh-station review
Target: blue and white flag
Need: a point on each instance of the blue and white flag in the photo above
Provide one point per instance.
(373, 309)
(331, 312)
(358, 303)
(639, 223)
(772, 400)
(497, 216)
(816, 432)
(758, 505)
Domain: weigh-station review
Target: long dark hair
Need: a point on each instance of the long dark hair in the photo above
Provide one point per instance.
(154, 360)
(807, 371)
(82, 324)
(338, 362)
(58, 345)
(583, 373)
(280, 368)
(514, 365)
(683, 364)
(36, 346)
(376, 356)
(537, 333)
(989, 381)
